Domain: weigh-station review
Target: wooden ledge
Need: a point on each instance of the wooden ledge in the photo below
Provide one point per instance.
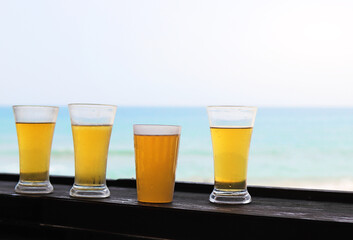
(274, 212)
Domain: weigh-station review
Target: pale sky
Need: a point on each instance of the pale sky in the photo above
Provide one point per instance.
(181, 52)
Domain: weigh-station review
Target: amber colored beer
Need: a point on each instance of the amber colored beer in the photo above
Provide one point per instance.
(230, 153)
(156, 160)
(34, 141)
(91, 144)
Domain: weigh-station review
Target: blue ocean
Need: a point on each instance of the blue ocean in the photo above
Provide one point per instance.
(291, 147)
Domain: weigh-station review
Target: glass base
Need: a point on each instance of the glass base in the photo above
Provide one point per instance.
(25, 187)
(230, 197)
(89, 191)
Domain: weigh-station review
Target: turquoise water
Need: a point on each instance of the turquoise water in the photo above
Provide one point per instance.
(288, 144)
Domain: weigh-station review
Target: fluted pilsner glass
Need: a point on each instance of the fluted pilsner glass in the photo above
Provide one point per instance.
(35, 129)
(231, 130)
(91, 129)
(156, 154)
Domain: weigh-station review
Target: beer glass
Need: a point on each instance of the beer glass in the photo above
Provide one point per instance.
(156, 154)
(91, 126)
(35, 129)
(231, 129)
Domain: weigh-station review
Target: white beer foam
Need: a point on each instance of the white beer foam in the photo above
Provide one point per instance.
(35, 113)
(152, 129)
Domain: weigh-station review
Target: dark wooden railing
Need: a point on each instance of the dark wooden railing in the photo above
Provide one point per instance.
(276, 213)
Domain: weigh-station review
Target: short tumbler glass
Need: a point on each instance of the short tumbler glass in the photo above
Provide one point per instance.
(91, 129)
(231, 130)
(35, 129)
(156, 154)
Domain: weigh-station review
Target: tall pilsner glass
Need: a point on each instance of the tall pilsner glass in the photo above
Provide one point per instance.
(35, 129)
(231, 129)
(91, 129)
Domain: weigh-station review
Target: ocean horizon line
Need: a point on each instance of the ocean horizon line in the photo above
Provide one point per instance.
(202, 106)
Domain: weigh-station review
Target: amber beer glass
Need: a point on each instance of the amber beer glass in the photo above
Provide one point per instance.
(35, 129)
(91, 126)
(231, 130)
(156, 154)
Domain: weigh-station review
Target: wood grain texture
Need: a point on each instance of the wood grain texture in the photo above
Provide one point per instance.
(189, 216)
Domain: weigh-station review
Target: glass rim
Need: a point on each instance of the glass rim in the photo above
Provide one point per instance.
(157, 125)
(34, 106)
(232, 106)
(92, 105)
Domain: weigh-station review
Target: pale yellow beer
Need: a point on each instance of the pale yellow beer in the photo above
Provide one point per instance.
(91, 144)
(230, 153)
(91, 126)
(34, 141)
(231, 130)
(156, 160)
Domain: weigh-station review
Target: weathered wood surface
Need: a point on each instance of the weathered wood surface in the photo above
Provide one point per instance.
(190, 216)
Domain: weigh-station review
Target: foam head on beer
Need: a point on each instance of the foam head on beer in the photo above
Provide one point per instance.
(151, 129)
